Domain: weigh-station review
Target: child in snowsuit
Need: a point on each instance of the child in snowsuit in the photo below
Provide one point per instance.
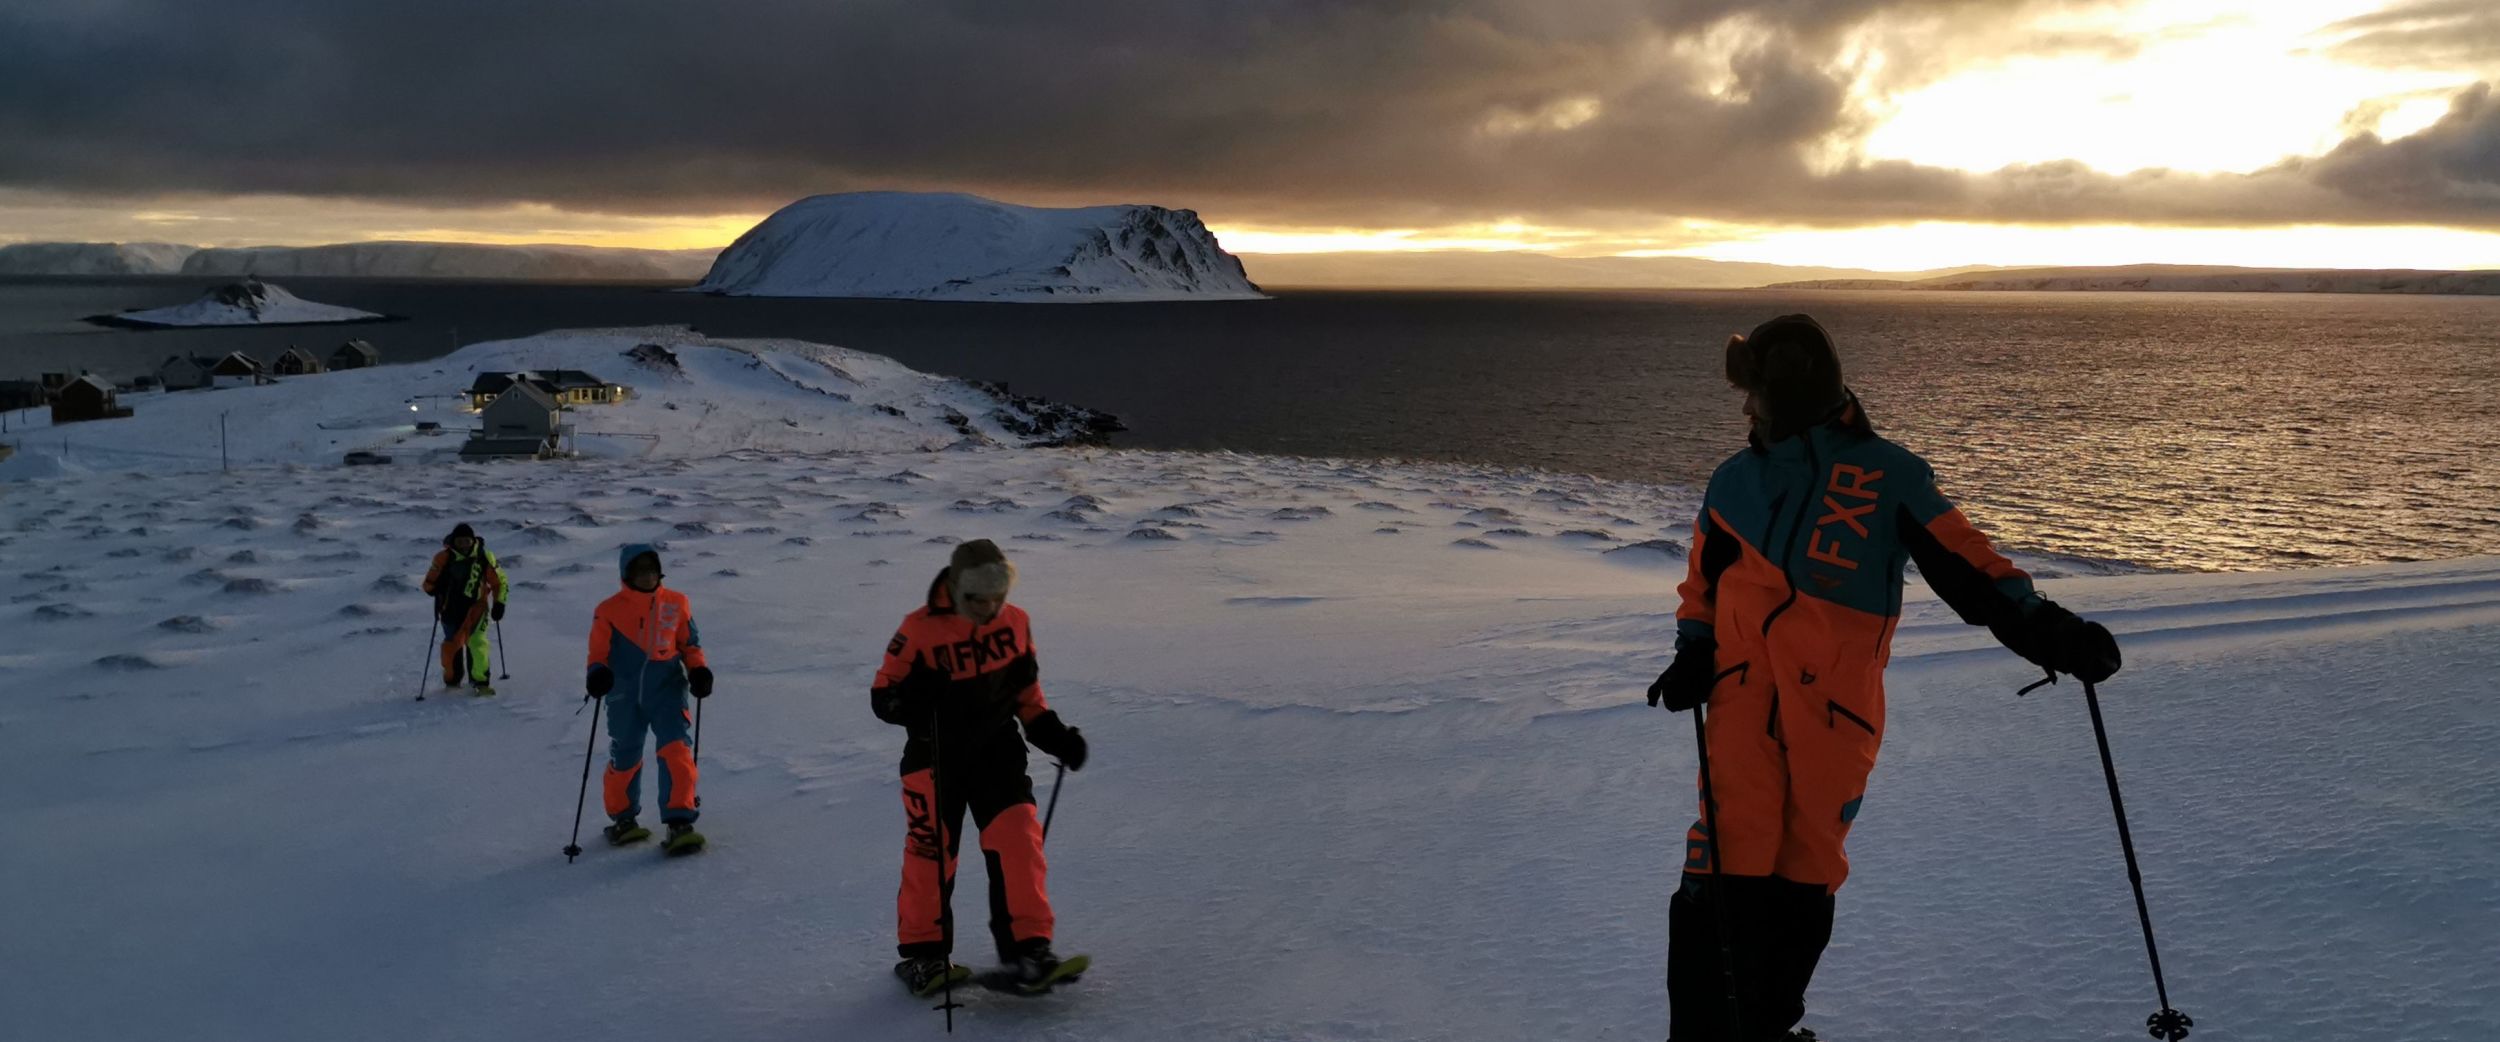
(958, 677)
(645, 656)
(1785, 626)
(470, 589)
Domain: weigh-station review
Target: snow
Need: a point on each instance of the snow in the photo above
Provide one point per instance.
(718, 396)
(399, 260)
(246, 303)
(962, 247)
(459, 260)
(1351, 780)
(92, 258)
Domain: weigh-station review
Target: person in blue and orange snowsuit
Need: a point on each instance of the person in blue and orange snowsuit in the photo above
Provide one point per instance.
(469, 588)
(960, 677)
(1784, 630)
(645, 657)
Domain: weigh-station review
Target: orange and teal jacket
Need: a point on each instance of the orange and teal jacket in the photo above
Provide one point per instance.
(633, 631)
(1800, 550)
(975, 681)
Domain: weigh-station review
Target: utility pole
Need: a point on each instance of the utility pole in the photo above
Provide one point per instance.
(222, 465)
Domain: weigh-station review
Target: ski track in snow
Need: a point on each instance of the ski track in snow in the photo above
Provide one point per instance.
(1350, 781)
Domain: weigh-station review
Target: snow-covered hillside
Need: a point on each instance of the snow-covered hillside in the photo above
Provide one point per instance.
(962, 247)
(250, 302)
(1369, 762)
(716, 396)
(451, 260)
(92, 258)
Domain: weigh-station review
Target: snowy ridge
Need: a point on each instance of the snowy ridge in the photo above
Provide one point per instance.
(250, 302)
(453, 260)
(2182, 278)
(962, 247)
(92, 258)
(1369, 761)
(719, 396)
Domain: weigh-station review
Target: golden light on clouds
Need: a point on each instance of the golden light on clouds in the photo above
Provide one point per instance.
(2211, 85)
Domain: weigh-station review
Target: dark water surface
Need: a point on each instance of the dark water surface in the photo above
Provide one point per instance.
(2178, 430)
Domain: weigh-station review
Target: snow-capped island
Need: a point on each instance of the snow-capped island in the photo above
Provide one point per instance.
(962, 247)
(250, 302)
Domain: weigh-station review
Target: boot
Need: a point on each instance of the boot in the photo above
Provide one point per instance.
(926, 974)
(625, 831)
(682, 840)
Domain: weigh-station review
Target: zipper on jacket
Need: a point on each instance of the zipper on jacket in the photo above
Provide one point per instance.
(1838, 711)
(1788, 559)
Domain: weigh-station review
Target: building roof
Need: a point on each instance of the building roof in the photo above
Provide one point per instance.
(529, 392)
(568, 379)
(96, 382)
(237, 357)
(358, 347)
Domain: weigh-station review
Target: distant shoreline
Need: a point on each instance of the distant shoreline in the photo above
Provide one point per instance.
(2155, 278)
(121, 322)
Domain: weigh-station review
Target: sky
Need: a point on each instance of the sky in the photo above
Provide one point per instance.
(1887, 134)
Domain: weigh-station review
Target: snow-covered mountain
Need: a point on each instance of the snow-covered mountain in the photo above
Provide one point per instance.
(451, 260)
(250, 302)
(963, 247)
(93, 258)
(696, 397)
(2183, 278)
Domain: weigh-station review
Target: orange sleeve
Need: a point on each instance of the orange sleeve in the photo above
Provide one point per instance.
(897, 662)
(434, 572)
(599, 630)
(689, 641)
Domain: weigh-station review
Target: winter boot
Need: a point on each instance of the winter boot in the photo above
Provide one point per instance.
(1038, 969)
(926, 974)
(625, 831)
(482, 689)
(682, 840)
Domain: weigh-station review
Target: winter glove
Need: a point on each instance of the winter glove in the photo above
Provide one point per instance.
(1064, 743)
(1688, 680)
(910, 703)
(600, 682)
(496, 612)
(2060, 641)
(699, 681)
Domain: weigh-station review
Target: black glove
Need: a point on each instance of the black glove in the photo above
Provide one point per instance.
(699, 681)
(599, 682)
(1064, 743)
(2060, 641)
(496, 612)
(1688, 680)
(910, 702)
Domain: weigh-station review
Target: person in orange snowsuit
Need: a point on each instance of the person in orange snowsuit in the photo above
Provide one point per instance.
(961, 679)
(1784, 629)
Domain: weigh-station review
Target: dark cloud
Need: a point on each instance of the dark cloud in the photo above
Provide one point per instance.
(1323, 111)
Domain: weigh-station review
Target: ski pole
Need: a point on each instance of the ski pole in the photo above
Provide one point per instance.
(698, 744)
(1055, 781)
(426, 672)
(2168, 1024)
(946, 908)
(499, 652)
(573, 849)
(1718, 894)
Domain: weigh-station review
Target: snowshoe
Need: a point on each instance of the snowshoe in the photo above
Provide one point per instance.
(928, 973)
(1037, 971)
(482, 689)
(682, 840)
(624, 832)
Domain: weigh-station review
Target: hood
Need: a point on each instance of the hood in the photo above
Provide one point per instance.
(625, 558)
(460, 530)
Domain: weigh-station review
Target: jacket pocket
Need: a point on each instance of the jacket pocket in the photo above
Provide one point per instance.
(1838, 713)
